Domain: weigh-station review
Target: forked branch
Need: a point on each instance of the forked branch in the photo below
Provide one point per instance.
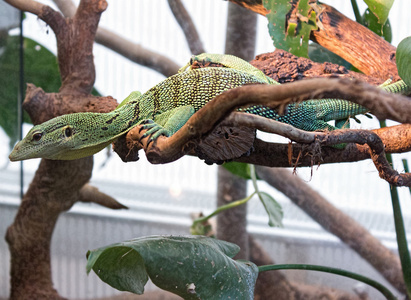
(384, 105)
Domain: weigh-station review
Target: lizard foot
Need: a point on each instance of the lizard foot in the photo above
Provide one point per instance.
(154, 130)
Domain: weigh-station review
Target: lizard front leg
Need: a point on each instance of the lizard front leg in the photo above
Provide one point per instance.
(167, 123)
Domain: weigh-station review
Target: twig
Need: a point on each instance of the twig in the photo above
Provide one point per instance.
(90, 193)
(187, 25)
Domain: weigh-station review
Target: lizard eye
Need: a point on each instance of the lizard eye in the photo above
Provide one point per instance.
(37, 136)
(68, 132)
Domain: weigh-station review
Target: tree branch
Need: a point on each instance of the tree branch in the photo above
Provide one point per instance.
(347, 38)
(187, 25)
(134, 52)
(336, 222)
(90, 193)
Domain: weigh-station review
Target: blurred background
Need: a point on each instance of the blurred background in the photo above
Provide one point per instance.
(162, 197)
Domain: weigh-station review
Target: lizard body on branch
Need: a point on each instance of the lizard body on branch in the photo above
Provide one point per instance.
(166, 107)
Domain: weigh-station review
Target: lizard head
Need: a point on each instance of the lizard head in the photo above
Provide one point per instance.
(61, 138)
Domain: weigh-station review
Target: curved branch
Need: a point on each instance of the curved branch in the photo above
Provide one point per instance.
(31, 6)
(396, 139)
(89, 193)
(383, 104)
(347, 38)
(53, 18)
(187, 25)
(136, 52)
(169, 149)
(124, 47)
(336, 222)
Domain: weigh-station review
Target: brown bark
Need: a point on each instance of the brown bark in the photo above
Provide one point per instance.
(57, 185)
(382, 104)
(187, 25)
(355, 43)
(231, 188)
(240, 42)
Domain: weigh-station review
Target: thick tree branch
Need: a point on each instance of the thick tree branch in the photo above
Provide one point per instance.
(383, 104)
(355, 43)
(336, 222)
(187, 25)
(57, 184)
(396, 139)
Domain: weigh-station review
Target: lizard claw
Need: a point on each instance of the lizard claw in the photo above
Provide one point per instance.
(153, 131)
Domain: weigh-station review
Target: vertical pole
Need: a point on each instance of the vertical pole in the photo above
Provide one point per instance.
(20, 99)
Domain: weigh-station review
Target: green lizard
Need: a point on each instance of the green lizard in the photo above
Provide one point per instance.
(166, 107)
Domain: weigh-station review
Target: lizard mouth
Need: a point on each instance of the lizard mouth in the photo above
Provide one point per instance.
(16, 154)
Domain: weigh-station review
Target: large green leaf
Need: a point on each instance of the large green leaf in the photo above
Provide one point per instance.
(380, 8)
(371, 21)
(194, 267)
(403, 59)
(294, 36)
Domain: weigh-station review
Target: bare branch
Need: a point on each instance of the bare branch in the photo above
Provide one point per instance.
(396, 139)
(336, 222)
(31, 6)
(187, 25)
(237, 119)
(122, 46)
(169, 149)
(90, 193)
(136, 52)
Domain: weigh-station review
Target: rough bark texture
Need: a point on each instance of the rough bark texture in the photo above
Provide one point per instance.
(232, 223)
(355, 43)
(240, 41)
(57, 185)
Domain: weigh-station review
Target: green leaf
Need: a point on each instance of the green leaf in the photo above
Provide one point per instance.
(320, 54)
(403, 59)
(273, 209)
(193, 267)
(40, 68)
(120, 267)
(370, 21)
(240, 169)
(294, 36)
(380, 8)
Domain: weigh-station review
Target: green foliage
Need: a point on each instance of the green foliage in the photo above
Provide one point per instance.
(294, 36)
(371, 21)
(237, 168)
(403, 59)
(40, 68)
(380, 8)
(320, 54)
(272, 207)
(192, 267)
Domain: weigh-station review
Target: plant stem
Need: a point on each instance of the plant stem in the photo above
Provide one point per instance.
(356, 11)
(406, 169)
(401, 240)
(400, 230)
(222, 208)
(386, 292)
